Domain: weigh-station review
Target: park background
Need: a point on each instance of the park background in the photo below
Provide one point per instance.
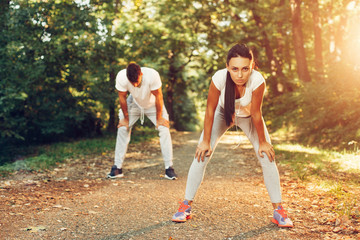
(58, 103)
(59, 61)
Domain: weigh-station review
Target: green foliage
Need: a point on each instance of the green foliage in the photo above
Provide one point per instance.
(306, 162)
(43, 95)
(347, 202)
(309, 163)
(59, 59)
(327, 113)
(47, 156)
(333, 172)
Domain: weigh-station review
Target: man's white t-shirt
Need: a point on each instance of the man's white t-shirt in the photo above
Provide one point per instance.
(142, 95)
(243, 104)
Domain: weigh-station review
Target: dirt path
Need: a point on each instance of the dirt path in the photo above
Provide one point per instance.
(75, 201)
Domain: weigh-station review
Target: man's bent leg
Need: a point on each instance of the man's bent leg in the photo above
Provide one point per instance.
(166, 145)
(122, 141)
(124, 134)
(164, 134)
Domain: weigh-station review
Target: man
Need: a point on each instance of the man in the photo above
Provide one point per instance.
(145, 98)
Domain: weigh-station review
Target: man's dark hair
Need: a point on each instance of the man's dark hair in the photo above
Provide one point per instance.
(239, 50)
(133, 71)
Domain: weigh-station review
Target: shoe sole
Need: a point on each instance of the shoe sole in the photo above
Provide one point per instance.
(170, 178)
(116, 176)
(181, 221)
(279, 225)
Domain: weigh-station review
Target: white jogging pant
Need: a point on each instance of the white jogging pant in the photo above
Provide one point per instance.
(123, 134)
(270, 171)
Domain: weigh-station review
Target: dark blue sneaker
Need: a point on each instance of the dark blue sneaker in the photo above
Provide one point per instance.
(170, 174)
(183, 214)
(115, 172)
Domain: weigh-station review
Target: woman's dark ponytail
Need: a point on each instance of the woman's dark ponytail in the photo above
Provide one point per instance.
(229, 99)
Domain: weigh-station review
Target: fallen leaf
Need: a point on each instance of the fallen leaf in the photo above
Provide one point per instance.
(35, 229)
(337, 222)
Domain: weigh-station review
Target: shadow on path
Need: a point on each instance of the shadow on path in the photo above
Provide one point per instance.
(141, 231)
(246, 235)
(254, 232)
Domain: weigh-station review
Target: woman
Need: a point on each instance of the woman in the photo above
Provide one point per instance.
(235, 98)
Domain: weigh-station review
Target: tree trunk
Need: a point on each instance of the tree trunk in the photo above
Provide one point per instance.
(118, 6)
(111, 124)
(4, 8)
(276, 68)
(317, 39)
(170, 89)
(298, 41)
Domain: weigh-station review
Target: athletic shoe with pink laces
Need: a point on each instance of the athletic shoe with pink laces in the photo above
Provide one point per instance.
(280, 218)
(183, 214)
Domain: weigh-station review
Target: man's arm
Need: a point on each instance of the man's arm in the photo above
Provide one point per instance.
(159, 103)
(124, 108)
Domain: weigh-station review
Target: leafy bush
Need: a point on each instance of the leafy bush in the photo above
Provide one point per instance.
(46, 156)
(324, 113)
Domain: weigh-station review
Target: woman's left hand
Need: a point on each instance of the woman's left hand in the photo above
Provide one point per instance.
(268, 149)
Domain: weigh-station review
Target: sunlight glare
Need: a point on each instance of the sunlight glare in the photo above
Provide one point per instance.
(298, 148)
(351, 5)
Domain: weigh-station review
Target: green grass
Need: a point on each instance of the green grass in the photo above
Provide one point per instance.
(331, 172)
(48, 156)
(322, 164)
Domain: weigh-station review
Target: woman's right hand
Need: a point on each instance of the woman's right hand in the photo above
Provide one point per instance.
(203, 150)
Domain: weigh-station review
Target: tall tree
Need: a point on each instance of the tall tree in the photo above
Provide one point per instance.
(298, 41)
(44, 90)
(105, 57)
(277, 75)
(180, 49)
(319, 65)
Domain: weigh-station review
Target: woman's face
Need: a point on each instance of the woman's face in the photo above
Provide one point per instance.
(240, 69)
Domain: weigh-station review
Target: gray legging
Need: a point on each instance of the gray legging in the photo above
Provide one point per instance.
(270, 171)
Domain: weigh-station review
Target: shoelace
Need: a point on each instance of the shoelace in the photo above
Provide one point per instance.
(282, 212)
(183, 207)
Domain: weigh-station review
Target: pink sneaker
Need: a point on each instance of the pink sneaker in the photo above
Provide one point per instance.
(280, 218)
(183, 214)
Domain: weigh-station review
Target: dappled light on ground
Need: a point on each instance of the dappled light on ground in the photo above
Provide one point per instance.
(76, 201)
